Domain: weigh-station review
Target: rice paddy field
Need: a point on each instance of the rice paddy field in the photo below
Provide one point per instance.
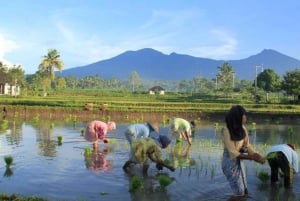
(52, 160)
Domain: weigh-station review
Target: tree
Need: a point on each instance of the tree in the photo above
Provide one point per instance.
(135, 80)
(268, 80)
(291, 83)
(50, 62)
(225, 78)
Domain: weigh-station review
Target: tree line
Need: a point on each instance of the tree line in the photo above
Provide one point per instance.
(226, 83)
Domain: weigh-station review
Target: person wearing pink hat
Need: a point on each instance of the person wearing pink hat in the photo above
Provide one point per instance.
(96, 130)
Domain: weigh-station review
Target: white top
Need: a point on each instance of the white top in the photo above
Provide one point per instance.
(289, 153)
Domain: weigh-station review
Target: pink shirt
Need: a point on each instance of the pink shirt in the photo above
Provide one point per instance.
(96, 130)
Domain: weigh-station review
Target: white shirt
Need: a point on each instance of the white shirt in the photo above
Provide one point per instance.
(289, 153)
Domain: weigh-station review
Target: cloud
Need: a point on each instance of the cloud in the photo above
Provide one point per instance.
(6, 46)
(222, 45)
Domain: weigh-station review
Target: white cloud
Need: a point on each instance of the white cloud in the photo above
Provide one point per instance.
(6, 46)
(223, 45)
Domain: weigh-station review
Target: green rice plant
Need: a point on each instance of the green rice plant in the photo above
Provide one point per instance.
(36, 118)
(253, 125)
(88, 151)
(178, 140)
(263, 177)
(136, 184)
(167, 161)
(74, 123)
(290, 131)
(82, 131)
(216, 125)
(52, 125)
(164, 120)
(8, 160)
(164, 181)
(4, 125)
(271, 155)
(60, 139)
(103, 193)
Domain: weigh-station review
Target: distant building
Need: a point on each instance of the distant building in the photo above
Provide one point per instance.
(6, 88)
(157, 90)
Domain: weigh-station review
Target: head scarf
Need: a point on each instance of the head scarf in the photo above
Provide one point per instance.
(234, 119)
(111, 125)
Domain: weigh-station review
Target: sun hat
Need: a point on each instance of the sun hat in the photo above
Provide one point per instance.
(111, 125)
(154, 126)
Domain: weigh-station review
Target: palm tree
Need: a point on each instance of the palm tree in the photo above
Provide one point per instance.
(50, 62)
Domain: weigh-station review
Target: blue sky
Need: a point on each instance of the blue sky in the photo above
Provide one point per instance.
(87, 31)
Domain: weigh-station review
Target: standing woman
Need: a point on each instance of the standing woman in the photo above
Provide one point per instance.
(236, 149)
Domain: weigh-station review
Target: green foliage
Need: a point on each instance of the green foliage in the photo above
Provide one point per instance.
(4, 125)
(291, 82)
(88, 151)
(8, 160)
(290, 131)
(268, 80)
(164, 181)
(136, 184)
(60, 139)
(263, 176)
(15, 197)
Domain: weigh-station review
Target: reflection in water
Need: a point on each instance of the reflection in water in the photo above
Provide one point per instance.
(8, 172)
(47, 146)
(180, 155)
(193, 181)
(14, 129)
(281, 193)
(96, 160)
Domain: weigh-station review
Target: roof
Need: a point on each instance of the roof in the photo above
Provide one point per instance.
(156, 88)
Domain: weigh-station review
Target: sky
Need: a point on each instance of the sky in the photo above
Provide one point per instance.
(88, 31)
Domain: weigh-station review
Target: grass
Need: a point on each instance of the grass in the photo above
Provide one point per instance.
(130, 102)
(15, 197)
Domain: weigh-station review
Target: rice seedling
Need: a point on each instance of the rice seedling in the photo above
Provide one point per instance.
(263, 177)
(103, 193)
(36, 118)
(60, 139)
(164, 181)
(216, 125)
(52, 125)
(88, 151)
(136, 184)
(290, 131)
(8, 160)
(82, 131)
(4, 125)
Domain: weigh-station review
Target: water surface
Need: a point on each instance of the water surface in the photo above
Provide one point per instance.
(44, 168)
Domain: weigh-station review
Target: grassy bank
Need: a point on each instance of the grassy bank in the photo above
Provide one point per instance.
(128, 102)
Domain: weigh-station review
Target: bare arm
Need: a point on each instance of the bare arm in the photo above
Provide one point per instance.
(186, 137)
(160, 162)
(255, 156)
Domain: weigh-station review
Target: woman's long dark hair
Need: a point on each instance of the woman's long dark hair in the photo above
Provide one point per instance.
(234, 119)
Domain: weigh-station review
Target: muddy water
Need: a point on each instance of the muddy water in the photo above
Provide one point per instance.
(44, 168)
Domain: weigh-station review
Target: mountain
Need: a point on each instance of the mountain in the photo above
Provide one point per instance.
(154, 65)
